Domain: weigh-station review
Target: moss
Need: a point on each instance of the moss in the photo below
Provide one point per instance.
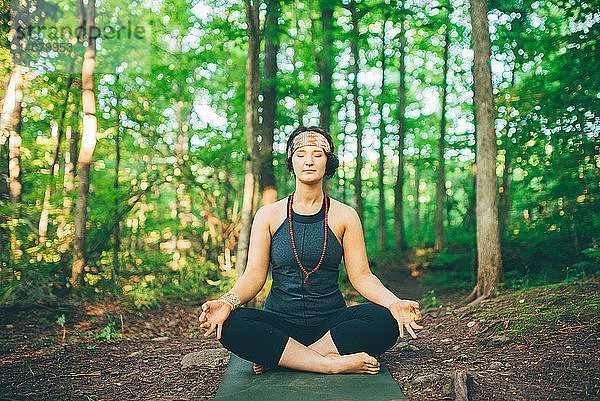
(564, 306)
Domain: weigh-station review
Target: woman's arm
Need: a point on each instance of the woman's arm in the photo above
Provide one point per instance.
(255, 274)
(357, 265)
(368, 285)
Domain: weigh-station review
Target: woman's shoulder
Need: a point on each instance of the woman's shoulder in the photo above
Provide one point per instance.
(272, 212)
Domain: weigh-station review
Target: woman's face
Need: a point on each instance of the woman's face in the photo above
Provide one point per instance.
(309, 163)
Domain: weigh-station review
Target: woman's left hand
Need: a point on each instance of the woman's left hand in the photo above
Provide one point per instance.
(406, 312)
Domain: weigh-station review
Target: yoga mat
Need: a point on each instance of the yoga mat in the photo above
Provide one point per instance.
(283, 384)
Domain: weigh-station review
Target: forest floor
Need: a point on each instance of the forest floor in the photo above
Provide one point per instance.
(537, 344)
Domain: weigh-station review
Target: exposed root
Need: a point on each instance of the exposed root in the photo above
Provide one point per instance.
(477, 301)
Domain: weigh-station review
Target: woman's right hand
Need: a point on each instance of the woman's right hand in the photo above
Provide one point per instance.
(214, 313)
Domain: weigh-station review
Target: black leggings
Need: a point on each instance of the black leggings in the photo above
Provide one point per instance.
(261, 336)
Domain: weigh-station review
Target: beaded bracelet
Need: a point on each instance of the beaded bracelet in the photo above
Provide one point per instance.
(232, 299)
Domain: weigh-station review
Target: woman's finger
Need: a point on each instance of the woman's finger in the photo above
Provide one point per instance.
(415, 326)
(410, 331)
(401, 326)
(202, 317)
(212, 328)
(219, 329)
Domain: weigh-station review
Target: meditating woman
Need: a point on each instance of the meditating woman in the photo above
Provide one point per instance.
(305, 323)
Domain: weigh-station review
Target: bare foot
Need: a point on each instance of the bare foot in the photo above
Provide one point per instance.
(361, 362)
(260, 369)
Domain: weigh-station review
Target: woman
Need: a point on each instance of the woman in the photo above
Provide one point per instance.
(305, 323)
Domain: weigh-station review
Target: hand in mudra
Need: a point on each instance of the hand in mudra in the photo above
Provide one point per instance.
(214, 313)
(406, 312)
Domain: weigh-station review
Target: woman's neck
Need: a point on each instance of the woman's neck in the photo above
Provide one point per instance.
(308, 197)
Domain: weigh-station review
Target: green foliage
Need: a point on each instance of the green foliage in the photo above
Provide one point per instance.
(588, 267)
(60, 320)
(28, 285)
(109, 332)
(180, 124)
(429, 300)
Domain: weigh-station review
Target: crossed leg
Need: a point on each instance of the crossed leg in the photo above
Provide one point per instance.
(324, 346)
(361, 332)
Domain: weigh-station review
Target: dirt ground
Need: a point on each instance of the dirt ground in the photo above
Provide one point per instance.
(540, 344)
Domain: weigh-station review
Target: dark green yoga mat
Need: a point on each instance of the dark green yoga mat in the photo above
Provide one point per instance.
(282, 384)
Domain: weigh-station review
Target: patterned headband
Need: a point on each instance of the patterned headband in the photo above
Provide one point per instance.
(309, 138)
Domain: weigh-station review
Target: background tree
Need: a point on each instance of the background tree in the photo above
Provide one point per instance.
(88, 142)
(268, 187)
(250, 130)
(489, 272)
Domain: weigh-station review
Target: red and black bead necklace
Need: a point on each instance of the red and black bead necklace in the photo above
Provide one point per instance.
(294, 244)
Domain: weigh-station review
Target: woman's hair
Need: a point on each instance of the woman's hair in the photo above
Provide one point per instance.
(332, 161)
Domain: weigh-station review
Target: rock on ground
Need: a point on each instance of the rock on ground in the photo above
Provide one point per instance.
(206, 357)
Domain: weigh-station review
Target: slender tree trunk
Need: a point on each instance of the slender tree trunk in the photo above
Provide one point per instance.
(72, 134)
(505, 200)
(399, 235)
(181, 149)
(250, 131)
(325, 64)
(417, 206)
(300, 105)
(268, 186)
(357, 113)
(441, 176)
(342, 152)
(10, 128)
(43, 224)
(382, 229)
(88, 143)
(490, 271)
(505, 196)
(117, 220)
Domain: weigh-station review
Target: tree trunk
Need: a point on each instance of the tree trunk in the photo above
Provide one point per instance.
(88, 143)
(357, 114)
(300, 105)
(268, 188)
(250, 131)
(43, 224)
(441, 177)
(117, 220)
(490, 271)
(417, 207)
(399, 235)
(342, 149)
(10, 128)
(325, 64)
(72, 134)
(382, 220)
(181, 149)
(505, 194)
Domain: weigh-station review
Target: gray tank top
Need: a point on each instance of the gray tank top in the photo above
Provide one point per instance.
(313, 303)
